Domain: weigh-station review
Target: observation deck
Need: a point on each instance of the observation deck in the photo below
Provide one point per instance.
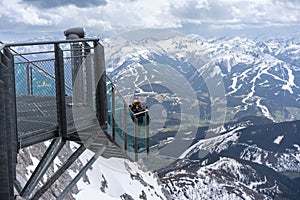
(58, 91)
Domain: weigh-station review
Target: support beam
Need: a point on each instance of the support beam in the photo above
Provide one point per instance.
(147, 134)
(8, 128)
(50, 154)
(4, 180)
(81, 173)
(90, 86)
(60, 92)
(100, 83)
(58, 173)
(125, 128)
(113, 113)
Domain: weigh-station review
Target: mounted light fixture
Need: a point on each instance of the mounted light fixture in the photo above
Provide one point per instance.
(74, 33)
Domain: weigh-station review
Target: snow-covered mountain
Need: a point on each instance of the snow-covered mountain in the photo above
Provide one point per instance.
(250, 159)
(242, 94)
(231, 77)
(275, 145)
(228, 178)
(223, 113)
(110, 179)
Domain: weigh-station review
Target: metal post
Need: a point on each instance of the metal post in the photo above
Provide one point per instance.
(113, 113)
(125, 127)
(100, 83)
(28, 79)
(4, 180)
(60, 92)
(136, 138)
(76, 55)
(85, 67)
(12, 113)
(147, 134)
(9, 144)
(89, 81)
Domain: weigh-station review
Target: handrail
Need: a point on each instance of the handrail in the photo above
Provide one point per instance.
(50, 42)
(4, 45)
(135, 122)
(118, 92)
(142, 112)
(116, 97)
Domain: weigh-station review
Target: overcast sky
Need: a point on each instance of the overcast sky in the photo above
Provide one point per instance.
(24, 19)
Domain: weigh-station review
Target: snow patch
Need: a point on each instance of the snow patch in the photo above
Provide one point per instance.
(215, 144)
(278, 139)
(117, 177)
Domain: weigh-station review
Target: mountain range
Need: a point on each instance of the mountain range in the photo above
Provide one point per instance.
(234, 102)
(224, 119)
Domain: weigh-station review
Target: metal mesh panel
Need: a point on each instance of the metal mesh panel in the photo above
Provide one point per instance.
(68, 76)
(21, 78)
(41, 83)
(36, 83)
(35, 88)
(75, 77)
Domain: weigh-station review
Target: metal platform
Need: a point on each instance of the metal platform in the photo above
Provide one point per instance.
(37, 92)
(37, 122)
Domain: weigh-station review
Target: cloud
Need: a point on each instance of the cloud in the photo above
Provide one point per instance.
(236, 13)
(113, 16)
(58, 3)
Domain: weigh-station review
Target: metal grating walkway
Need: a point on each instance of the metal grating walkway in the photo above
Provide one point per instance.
(37, 122)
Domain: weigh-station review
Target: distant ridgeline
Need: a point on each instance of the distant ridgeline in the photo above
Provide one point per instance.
(41, 82)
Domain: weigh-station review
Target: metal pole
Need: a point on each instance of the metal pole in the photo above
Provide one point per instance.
(28, 79)
(125, 127)
(147, 134)
(136, 138)
(60, 92)
(10, 132)
(113, 111)
(89, 81)
(4, 180)
(100, 83)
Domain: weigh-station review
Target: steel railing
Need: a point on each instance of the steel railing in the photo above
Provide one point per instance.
(46, 71)
(123, 125)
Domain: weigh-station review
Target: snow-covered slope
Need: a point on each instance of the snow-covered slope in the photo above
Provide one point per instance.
(112, 178)
(274, 145)
(253, 76)
(228, 178)
(204, 91)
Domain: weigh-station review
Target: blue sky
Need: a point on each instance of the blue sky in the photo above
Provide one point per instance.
(25, 19)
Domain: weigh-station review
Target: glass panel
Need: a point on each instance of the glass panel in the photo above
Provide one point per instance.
(119, 120)
(130, 131)
(141, 131)
(109, 106)
(126, 124)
